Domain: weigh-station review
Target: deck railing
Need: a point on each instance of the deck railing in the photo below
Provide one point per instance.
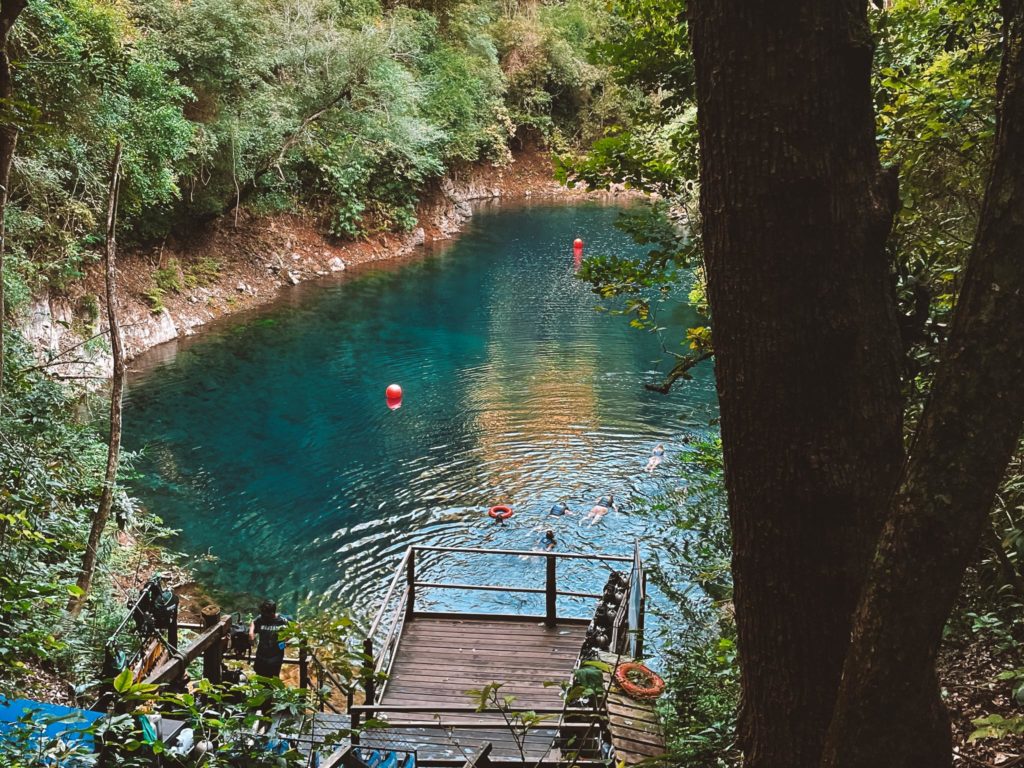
(399, 603)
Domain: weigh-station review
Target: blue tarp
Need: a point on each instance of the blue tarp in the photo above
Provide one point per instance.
(66, 722)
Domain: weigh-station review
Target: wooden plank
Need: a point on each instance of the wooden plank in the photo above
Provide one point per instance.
(498, 645)
(530, 627)
(491, 657)
(631, 709)
(650, 725)
(461, 685)
(495, 648)
(502, 641)
(469, 670)
(485, 625)
(464, 683)
(624, 749)
(176, 665)
(468, 666)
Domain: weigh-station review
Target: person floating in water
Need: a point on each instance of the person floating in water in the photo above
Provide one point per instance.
(559, 509)
(270, 648)
(656, 457)
(547, 542)
(604, 505)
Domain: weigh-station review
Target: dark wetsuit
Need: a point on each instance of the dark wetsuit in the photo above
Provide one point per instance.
(269, 648)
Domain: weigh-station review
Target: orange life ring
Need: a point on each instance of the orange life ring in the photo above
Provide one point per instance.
(500, 512)
(654, 687)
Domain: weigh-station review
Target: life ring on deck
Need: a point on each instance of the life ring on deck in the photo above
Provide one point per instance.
(651, 688)
(500, 512)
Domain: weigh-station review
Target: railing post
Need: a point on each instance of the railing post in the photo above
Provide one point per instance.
(369, 671)
(410, 582)
(212, 657)
(354, 724)
(640, 617)
(303, 668)
(550, 594)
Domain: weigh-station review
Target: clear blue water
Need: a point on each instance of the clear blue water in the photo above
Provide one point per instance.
(267, 442)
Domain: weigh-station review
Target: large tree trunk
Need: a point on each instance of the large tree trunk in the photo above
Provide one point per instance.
(796, 212)
(99, 520)
(967, 434)
(9, 12)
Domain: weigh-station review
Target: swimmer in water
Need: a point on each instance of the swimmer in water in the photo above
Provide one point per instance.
(656, 456)
(604, 505)
(559, 509)
(548, 543)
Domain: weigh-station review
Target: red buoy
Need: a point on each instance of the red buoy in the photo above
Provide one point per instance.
(577, 252)
(393, 395)
(577, 244)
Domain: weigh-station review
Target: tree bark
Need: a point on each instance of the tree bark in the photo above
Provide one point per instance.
(9, 12)
(967, 434)
(99, 520)
(796, 211)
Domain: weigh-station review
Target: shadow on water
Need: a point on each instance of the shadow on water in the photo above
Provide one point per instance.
(267, 442)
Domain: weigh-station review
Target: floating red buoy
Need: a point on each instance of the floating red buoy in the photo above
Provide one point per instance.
(577, 244)
(393, 395)
(577, 252)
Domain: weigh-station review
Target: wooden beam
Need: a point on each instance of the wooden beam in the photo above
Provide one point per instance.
(176, 666)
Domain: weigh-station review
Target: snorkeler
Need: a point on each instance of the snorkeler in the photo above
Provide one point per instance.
(656, 457)
(559, 509)
(604, 505)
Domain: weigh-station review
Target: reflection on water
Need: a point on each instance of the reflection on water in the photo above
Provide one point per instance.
(267, 441)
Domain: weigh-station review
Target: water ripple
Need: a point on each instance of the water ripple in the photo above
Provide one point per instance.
(267, 443)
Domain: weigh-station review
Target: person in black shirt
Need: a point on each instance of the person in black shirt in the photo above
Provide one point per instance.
(269, 647)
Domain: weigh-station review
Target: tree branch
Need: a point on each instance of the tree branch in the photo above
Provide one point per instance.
(681, 370)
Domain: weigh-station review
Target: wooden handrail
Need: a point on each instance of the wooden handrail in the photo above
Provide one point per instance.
(466, 710)
(391, 589)
(392, 636)
(176, 665)
(527, 552)
(480, 725)
(481, 587)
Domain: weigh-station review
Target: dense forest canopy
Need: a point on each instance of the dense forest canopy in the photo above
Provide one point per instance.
(343, 110)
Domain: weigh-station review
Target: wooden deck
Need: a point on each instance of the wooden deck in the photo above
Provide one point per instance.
(633, 725)
(439, 659)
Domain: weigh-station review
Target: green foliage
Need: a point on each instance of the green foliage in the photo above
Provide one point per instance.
(169, 277)
(51, 468)
(518, 722)
(550, 78)
(936, 69)
(91, 80)
(155, 299)
(691, 566)
(344, 110)
(233, 725)
(202, 272)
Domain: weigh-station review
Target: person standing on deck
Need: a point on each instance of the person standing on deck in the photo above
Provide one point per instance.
(270, 648)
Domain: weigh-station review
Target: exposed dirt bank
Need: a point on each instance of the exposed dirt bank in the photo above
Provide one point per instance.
(241, 262)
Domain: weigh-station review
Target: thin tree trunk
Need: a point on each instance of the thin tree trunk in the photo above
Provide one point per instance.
(99, 521)
(967, 434)
(796, 211)
(9, 12)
